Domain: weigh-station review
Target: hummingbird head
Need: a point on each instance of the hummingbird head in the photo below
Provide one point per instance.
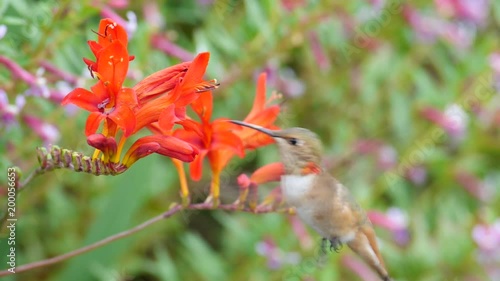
(300, 149)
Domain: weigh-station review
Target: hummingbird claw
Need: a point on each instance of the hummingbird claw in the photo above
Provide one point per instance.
(335, 244)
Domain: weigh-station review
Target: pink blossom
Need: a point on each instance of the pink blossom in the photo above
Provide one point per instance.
(394, 220)
(417, 175)
(168, 47)
(487, 237)
(319, 52)
(473, 185)
(359, 267)
(47, 132)
(275, 256)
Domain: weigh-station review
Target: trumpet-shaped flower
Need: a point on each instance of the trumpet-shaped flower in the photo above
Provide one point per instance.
(157, 102)
(220, 140)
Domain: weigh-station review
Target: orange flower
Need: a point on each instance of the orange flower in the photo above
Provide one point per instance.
(157, 102)
(179, 88)
(109, 32)
(108, 100)
(220, 140)
(208, 137)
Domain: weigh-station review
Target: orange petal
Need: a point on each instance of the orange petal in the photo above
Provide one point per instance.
(260, 96)
(203, 106)
(127, 97)
(110, 31)
(160, 82)
(150, 112)
(195, 72)
(83, 99)
(191, 125)
(190, 137)
(124, 118)
(167, 118)
(268, 173)
(164, 145)
(94, 47)
(264, 117)
(196, 167)
(93, 122)
(112, 65)
(227, 140)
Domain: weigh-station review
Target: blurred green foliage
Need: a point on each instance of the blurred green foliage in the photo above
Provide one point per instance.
(344, 71)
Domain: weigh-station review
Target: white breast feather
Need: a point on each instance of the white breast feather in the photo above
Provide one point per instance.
(295, 187)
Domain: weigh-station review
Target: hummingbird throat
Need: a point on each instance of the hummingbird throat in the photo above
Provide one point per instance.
(311, 168)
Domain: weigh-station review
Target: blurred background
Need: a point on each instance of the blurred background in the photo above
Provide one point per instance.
(403, 95)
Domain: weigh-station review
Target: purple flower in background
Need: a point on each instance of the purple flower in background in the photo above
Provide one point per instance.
(66, 76)
(284, 80)
(9, 112)
(118, 4)
(417, 175)
(306, 242)
(487, 238)
(494, 60)
(276, 258)
(473, 185)
(394, 220)
(291, 5)
(47, 132)
(453, 120)
(475, 11)
(168, 47)
(319, 52)
(360, 268)
(153, 16)
(386, 155)
(429, 27)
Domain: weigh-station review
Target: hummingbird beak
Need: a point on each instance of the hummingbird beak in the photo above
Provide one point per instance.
(256, 127)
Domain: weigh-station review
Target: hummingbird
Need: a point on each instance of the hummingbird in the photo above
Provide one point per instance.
(320, 200)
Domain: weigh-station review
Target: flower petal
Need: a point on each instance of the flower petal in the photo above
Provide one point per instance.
(124, 118)
(164, 145)
(93, 122)
(110, 31)
(260, 97)
(196, 70)
(160, 82)
(127, 97)
(105, 144)
(83, 99)
(227, 140)
(268, 173)
(196, 167)
(203, 106)
(112, 65)
(167, 118)
(193, 126)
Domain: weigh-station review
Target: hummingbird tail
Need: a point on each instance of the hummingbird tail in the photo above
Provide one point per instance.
(365, 245)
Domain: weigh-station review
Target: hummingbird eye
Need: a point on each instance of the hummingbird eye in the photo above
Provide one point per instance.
(293, 141)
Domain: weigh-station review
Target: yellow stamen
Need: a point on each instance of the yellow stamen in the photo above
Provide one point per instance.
(116, 158)
(215, 188)
(96, 154)
(183, 182)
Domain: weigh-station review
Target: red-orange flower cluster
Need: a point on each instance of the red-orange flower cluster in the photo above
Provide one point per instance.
(220, 140)
(158, 103)
(160, 99)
